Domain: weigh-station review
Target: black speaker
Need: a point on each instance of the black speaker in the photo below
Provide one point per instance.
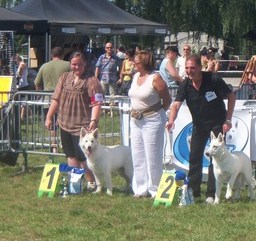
(9, 157)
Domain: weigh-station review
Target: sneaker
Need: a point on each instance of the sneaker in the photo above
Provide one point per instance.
(209, 200)
(91, 186)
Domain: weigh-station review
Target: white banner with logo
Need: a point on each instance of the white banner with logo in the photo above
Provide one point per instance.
(240, 138)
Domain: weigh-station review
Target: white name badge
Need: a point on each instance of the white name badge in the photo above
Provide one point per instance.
(99, 97)
(210, 96)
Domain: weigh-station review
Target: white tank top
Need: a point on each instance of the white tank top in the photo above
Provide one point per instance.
(23, 82)
(143, 96)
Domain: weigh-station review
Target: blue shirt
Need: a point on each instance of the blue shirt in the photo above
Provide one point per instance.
(165, 74)
(109, 68)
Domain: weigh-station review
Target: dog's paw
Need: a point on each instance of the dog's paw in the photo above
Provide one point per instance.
(98, 190)
(110, 193)
(228, 197)
(216, 201)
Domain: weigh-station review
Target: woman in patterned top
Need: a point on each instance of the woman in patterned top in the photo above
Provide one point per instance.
(77, 98)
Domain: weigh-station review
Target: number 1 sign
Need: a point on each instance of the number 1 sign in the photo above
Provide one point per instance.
(49, 180)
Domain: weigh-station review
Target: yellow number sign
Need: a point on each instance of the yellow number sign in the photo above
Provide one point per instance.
(49, 180)
(166, 190)
(5, 87)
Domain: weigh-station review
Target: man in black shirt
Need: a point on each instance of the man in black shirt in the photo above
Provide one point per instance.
(204, 93)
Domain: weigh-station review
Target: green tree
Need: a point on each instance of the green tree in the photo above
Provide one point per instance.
(19, 39)
(9, 3)
(227, 19)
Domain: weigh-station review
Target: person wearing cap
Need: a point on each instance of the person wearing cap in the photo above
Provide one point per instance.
(204, 59)
(180, 64)
(213, 64)
(167, 68)
(208, 61)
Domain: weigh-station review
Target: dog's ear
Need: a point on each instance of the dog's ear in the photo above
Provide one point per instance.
(83, 132)
(96, 133)
(220, 137)
(213, 137)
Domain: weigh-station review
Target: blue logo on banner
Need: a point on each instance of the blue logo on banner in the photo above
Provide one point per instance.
(181, 146)
(236, 140)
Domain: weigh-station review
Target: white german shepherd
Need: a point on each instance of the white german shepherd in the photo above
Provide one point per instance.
(104, 160)
(234, 168)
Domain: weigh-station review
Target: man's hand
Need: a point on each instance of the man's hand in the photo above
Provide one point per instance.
(227, 126)
(170, 125)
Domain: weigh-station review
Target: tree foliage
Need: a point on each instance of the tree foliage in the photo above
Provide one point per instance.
(9, 3)
(227, 19)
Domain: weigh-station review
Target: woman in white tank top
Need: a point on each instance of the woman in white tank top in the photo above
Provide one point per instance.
(21, 73)
(22, 82)
(150, 99)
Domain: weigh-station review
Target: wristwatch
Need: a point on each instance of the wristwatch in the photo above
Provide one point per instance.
(228, 122)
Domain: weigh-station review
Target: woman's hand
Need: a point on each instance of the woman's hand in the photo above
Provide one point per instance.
(48, 123)
(92, 125)
(119, 82)
(170, 125)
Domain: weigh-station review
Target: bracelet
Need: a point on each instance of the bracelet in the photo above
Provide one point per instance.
(93, 120)
(228, 122)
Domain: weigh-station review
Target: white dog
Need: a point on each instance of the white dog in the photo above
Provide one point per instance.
(234, 168)
(104, 160)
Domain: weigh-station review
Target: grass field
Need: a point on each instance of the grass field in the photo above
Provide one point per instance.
(90, 217)
(26, 217)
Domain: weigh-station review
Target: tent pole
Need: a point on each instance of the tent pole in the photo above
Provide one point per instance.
(46, 47)
(49, 47)
(29, 40)
(48, 40)
(115, 42)
(90, 44)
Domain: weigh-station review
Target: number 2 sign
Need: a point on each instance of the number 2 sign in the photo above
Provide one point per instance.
(166, 189)
(49, 180)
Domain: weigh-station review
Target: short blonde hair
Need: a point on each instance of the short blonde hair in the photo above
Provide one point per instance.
(146, 59)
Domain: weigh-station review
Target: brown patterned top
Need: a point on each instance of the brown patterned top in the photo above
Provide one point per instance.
(74, 101)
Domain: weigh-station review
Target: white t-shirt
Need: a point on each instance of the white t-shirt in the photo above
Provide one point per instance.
(180, 65)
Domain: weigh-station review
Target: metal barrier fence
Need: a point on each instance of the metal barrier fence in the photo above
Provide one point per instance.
(23, 132)
(26, 135)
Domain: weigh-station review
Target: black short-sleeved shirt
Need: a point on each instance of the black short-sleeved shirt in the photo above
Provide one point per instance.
(206, 105)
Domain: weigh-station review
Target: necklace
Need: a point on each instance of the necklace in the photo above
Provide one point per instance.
(141, 79)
